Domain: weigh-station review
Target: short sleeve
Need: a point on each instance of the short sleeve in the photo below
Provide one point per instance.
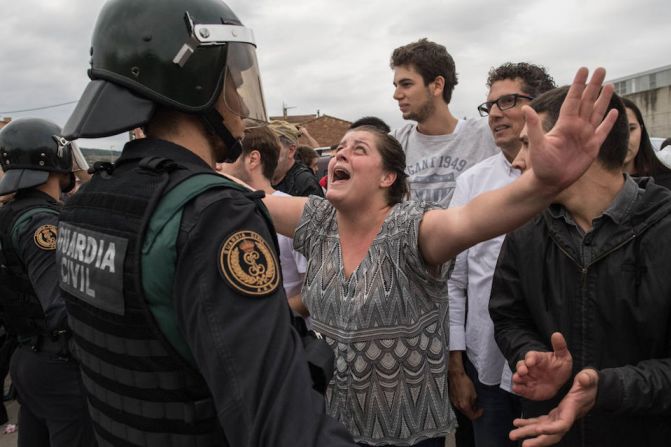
(411, 215)
(316, 220)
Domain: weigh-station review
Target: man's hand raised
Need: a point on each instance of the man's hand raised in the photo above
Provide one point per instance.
(561, 156)
(541, 374)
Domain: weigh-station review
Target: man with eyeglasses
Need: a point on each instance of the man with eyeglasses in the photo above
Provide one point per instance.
(476, 363)
(439, 147)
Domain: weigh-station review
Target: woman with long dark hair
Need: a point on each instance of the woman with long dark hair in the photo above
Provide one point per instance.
(641, 160)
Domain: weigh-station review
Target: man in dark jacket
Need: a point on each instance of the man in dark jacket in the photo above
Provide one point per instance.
(291, 176)
(581, 308)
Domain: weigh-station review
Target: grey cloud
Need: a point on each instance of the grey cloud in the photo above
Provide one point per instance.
(334, 56)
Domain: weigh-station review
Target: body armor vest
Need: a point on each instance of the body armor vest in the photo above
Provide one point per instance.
(142, 390)
(21, 309)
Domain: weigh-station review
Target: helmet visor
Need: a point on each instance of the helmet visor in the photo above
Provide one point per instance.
(243, 94)
(79, 163)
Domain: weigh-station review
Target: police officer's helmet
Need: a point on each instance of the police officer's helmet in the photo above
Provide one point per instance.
(30, 148)
(177, 54)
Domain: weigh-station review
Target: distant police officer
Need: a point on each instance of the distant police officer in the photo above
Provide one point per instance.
(170, 271)
(38, 166)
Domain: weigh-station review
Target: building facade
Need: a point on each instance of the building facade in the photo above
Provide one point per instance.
(651, 92)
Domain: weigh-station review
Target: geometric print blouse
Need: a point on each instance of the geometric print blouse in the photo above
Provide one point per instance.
(386, 323)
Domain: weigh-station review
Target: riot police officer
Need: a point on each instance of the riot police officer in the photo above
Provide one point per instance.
(38, 165)
(170, 271)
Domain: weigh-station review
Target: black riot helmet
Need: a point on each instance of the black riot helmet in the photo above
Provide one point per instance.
(30, 148)
(178, 54)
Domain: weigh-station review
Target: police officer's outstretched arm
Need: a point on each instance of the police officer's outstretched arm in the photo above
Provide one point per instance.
(234, 314)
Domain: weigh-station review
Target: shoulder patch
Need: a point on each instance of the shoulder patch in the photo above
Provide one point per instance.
(249, 264)
(46, 236)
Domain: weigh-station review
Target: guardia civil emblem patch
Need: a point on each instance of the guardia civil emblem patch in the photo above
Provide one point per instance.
(46, 237)
(248, 264)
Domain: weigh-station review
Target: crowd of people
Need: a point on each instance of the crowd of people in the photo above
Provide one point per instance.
(496, 278)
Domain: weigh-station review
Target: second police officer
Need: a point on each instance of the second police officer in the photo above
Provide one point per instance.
(38, 165)
(171, 274)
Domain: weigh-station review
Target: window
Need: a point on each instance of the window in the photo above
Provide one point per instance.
(621, 88)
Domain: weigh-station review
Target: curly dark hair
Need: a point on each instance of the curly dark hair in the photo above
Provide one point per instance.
(535, 79)
(430, 60)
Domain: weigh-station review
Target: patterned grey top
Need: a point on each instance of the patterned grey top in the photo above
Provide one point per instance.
(387, 324)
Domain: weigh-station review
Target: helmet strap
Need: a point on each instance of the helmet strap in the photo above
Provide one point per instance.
(214, 122)
(72, 181)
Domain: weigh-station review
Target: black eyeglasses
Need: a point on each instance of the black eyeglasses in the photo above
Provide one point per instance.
(505, 102)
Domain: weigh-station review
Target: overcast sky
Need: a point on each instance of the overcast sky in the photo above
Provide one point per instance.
(333, 56)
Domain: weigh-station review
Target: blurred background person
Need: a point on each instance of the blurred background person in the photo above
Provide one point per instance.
(641, 160)
(309, 157)
(292, 177)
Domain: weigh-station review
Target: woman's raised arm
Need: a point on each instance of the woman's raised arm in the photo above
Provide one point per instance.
(558, 158)
(286, 212)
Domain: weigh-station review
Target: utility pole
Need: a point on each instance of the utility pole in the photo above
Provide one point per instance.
(285, 108)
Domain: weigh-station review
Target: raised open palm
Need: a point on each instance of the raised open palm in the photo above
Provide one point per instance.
(562, 155)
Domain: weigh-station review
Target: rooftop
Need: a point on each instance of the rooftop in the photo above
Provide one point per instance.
(643, 73)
